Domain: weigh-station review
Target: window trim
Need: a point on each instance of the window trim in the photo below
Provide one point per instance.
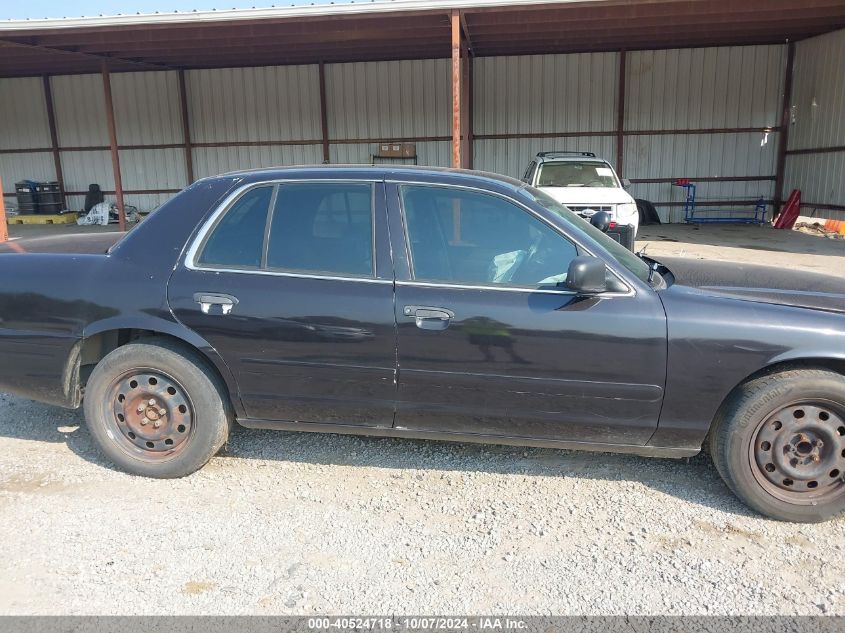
(445, 284)
(198, 243)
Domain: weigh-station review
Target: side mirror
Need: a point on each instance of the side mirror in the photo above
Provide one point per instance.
(587, 275)
(626, 182)
(601, 220)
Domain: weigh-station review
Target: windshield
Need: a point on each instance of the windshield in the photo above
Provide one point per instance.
(621, 254)
(577, 174)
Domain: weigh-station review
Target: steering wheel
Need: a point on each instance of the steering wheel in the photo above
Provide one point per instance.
(595, 183)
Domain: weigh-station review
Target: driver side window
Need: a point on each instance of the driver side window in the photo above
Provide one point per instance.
(469, 237)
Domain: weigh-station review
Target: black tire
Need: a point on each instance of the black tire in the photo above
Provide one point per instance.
(779, 444)
(183, 398)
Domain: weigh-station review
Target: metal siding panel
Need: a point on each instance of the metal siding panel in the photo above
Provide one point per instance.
(429, 153)
(820, 177)
(83, 168)
(696, 88)
(511, 156)
(146, 108)
(24, 121)
(153, 169)
(80, 106)
(818, 104)
(211, 161)
(277, 103)
(388, 100)
(700, 155)
(545, 93)
(818, 94)
(16, 167)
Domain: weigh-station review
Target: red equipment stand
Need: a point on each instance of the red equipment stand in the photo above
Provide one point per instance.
(791, 210)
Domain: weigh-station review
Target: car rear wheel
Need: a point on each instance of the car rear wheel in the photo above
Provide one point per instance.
(156, 409)
(779, 444)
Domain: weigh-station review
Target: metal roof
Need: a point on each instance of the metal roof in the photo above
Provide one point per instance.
(288, 10)
(398, 29)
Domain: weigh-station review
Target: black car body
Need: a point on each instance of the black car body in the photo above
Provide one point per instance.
(319, 335)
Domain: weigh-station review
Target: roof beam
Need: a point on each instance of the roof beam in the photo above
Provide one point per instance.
(465, 30)
(80, 54)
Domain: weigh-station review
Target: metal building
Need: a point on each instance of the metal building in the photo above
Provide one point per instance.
(747, 99)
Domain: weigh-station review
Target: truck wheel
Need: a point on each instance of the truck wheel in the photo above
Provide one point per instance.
(156, 409)
(779, 444)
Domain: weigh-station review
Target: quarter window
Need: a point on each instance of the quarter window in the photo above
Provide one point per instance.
(467, 237)
(238, 238)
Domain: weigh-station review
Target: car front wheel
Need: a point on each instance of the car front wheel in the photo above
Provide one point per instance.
(156, 409)
(779, 444)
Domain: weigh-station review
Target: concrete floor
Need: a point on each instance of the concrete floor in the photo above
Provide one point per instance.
(746, 244)
(739, 243)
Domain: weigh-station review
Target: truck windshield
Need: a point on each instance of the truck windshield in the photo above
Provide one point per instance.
(621, 254)
(577, 174)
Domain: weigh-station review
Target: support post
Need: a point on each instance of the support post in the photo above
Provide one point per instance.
(468, 122)
(783, 140)
(620, 114)
(4, 228)
(324, 117)
(115, 155)
(456, 88)
(186, 128)
(466, 107)
(54, 136)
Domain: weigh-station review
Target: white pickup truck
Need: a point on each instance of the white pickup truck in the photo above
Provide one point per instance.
(586, 184)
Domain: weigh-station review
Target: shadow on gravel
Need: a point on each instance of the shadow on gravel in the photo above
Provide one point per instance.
(693, 480)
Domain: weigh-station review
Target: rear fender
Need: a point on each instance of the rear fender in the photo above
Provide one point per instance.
(168, 328)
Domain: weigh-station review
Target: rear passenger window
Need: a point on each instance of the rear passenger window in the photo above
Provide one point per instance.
(323, 228)
(238, 238)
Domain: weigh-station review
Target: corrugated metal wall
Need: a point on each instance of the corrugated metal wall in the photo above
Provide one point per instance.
(80, 109)
(249, 105)
(703, 89)
(254, 117)
(23, 125)
(818, 122)
(387, 101)
(542, 94)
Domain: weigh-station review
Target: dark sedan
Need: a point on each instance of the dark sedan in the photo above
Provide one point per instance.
(438, 304)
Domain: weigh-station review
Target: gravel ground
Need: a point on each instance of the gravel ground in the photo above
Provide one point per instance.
(303, 523)
(284, 523)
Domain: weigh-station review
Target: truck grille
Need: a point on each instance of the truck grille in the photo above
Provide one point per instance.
(580, 208)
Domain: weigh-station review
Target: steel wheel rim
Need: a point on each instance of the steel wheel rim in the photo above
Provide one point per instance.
(797, 453)
(150, 414)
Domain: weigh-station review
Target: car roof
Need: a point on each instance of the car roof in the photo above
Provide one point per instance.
(399, 172)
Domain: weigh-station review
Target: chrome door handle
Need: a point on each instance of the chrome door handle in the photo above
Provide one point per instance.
(429, 318)
(208, 299)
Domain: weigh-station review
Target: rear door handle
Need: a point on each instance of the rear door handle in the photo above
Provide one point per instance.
(208, 299)
(429, 318)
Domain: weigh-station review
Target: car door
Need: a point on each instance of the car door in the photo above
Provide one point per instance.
(489, 344)
(289, 284)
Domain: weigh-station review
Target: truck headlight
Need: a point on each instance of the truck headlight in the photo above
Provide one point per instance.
(624, 211)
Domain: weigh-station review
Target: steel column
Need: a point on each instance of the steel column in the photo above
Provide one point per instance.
(186, 128)
(783, 141)
(466, 103)
(324, 117)
(620, 114)
(456, 88)
(54, 136)
(115, 155)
